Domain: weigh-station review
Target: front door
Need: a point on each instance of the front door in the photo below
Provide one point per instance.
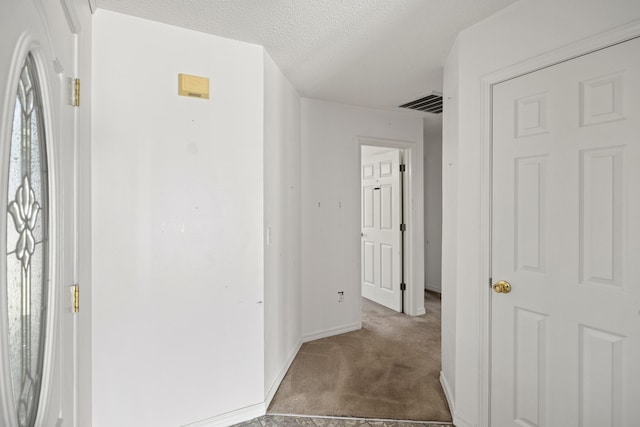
(566, 237)
(38, 221)
(381, 267)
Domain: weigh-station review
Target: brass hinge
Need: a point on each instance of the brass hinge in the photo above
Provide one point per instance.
(76, 92)
(76, 298)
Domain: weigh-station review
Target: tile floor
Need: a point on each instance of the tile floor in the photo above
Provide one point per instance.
(294, 421)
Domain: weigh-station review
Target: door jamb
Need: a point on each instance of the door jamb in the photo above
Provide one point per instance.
(591, 44)
(406, 147)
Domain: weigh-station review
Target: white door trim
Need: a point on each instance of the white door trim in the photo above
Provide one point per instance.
(412, 302)
(556, 56)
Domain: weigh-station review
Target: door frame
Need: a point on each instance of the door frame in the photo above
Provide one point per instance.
(583, 47)
(412, 306)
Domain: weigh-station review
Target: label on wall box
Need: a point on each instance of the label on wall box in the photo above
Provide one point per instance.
(194, 86)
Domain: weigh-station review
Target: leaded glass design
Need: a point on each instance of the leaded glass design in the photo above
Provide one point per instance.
(27, 241)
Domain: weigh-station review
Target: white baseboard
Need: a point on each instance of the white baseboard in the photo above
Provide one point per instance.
(447, 392)
(461, 422)
(331, 332)
(253, 411)
(433, 288)
(233, 417)
(421, 311)
(285, 367)
(457, 420)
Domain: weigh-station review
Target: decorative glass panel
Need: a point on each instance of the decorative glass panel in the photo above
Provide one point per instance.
(27, 241)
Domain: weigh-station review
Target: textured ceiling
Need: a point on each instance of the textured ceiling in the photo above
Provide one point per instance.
(375, 53)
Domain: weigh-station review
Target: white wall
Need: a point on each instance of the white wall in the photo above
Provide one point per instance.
(522, 31)
(282, 219)
(331, 208)
(177, 226)
(433, 202)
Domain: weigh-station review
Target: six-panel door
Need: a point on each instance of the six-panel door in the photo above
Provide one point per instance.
(381, 228)
(566, 235)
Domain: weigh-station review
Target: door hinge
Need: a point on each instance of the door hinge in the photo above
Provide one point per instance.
(403, 227)
(76, 92)
(403, 286)
(75, 289)
(403, 168)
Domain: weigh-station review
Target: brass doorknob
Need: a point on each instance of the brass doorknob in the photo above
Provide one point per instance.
(502, 287)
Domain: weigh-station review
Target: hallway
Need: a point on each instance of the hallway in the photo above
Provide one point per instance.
(387, 370)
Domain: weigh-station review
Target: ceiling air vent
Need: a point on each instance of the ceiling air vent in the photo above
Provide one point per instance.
(430, 104)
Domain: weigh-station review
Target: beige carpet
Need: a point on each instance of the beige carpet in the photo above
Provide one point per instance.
(389, 369)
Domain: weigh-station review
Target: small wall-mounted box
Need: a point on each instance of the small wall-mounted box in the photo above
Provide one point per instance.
(193, 86)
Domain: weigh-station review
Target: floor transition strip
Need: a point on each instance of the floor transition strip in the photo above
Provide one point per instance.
(278, 420)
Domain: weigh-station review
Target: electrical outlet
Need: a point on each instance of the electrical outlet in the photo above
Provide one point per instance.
(340, 296)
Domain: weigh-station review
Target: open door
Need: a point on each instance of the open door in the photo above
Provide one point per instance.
(381, 236)
(38, 63)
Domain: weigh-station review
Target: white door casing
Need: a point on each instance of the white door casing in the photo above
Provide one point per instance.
(566, 233)
(45, 30)
(380, 201)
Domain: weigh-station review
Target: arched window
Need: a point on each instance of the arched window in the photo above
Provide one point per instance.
(27, 245)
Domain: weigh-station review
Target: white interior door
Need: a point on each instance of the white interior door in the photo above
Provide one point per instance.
(566, 235)
(37, 182)
(381, 272)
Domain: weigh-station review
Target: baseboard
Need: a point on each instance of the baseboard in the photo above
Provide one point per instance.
(457, 420)
(233, 417)
(331, 332)
(447, 392)
(421, 311)
(285, 367)
(253, 411)
(433, 288)
(461, 422)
